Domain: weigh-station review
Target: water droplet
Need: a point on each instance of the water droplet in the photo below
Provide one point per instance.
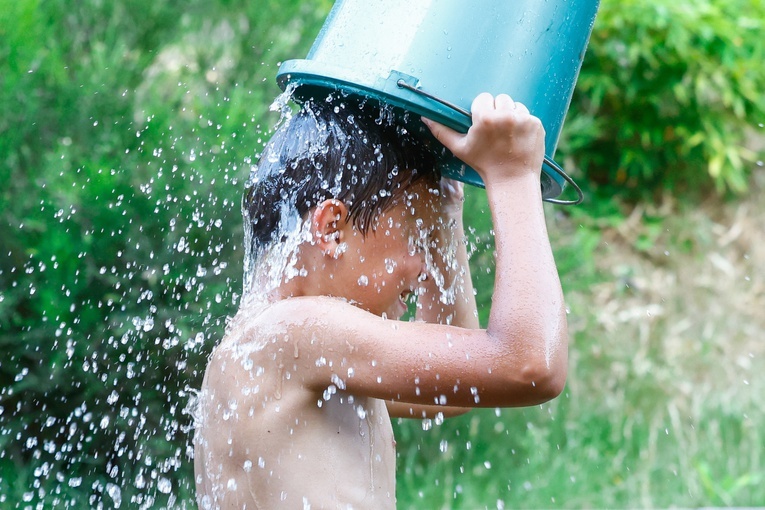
(337, 381)
(331, 390)
(115, 492)
(363, 281)
(164, 485)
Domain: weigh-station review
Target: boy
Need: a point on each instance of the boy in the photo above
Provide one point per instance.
(346, 219)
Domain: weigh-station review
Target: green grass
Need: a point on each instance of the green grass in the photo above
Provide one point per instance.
(667, 366)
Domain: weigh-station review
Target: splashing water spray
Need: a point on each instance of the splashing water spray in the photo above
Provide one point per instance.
(410, 60)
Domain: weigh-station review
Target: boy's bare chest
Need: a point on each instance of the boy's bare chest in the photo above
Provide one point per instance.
(344, 446)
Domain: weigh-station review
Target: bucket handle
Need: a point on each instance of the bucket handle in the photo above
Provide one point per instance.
(548, 161)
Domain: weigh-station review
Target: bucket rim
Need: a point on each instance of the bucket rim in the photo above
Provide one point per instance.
(310, 76)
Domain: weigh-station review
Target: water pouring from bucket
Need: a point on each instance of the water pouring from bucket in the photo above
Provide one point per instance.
(432, 58)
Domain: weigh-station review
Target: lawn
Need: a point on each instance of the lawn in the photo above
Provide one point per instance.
(667, 367)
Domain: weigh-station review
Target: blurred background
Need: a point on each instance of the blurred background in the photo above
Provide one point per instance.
(127, 130)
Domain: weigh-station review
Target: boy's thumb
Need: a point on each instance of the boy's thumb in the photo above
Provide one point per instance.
(444, 134)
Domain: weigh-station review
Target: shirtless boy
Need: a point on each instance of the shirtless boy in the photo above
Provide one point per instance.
(348, 218)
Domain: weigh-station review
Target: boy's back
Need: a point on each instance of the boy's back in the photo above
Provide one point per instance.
(294, 409)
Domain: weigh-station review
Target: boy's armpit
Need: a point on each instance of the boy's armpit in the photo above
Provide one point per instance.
(330, 342)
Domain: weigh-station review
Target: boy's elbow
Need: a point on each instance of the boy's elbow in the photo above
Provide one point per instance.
(545, 373)
(538, 369)
(543, 382)
(553, 384)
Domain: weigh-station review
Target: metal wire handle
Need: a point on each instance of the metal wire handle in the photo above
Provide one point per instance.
(548, 161)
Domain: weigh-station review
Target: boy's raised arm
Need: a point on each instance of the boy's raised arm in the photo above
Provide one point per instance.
(505, 146)
(519, 360)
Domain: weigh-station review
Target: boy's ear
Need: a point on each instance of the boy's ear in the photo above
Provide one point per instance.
(327, 226)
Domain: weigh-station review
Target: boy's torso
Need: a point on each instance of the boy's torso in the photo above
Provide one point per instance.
(267, 440)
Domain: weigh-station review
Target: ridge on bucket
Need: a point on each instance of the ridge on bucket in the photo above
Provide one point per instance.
(431, 58)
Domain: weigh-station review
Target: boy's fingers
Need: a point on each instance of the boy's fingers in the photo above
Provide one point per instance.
(503, 101)
(446, 135)
(521, 108)
(452, 190)
(482, 101)
(451, 186)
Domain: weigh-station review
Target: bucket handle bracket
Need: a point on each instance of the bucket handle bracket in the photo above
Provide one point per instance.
(403, 80)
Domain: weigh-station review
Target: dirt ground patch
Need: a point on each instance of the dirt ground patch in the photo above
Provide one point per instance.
(682, 295)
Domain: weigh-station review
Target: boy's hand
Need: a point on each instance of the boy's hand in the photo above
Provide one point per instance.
(452, 197)
(446, 295)
(505, 140)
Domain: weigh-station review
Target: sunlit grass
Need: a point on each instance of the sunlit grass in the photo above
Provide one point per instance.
(662, 404)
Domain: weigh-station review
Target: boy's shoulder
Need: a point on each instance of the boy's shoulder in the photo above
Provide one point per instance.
(292, 312)
(253, 326)
(294, 333)
(260, 335)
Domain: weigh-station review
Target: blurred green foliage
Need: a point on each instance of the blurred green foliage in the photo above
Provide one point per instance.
(125, 131)
(127, 128)
(669, 94)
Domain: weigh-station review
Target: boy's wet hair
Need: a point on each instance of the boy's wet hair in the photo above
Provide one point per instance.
(359, 154)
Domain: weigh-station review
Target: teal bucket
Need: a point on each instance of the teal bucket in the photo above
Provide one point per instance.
(433, 57)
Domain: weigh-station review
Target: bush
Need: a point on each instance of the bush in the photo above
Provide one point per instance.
(125, 127)
(668, 93)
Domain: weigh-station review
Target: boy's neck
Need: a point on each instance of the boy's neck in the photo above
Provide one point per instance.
(309, 279)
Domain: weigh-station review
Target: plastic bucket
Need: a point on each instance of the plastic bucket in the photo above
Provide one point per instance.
(432, 57)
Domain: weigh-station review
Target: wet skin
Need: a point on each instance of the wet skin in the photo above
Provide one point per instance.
(284, 444)
(389, 261)
(293, 406)
(276, 433)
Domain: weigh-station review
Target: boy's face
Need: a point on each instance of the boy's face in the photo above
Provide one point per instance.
(388, 264)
